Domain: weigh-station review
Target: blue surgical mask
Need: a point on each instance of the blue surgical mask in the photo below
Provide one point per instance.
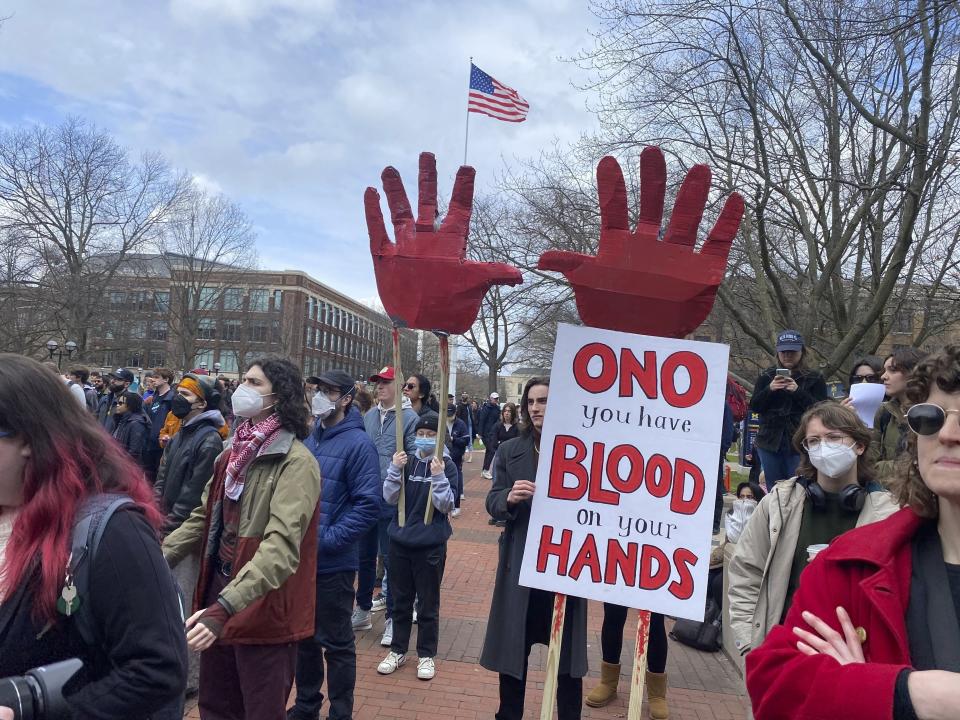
(425, 445)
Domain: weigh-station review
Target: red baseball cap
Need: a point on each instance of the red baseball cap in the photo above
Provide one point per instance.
(385, 375)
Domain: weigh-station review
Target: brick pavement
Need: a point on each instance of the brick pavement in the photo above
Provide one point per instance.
(702, 686)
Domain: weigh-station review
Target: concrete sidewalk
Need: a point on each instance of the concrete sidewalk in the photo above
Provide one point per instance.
(703, 686)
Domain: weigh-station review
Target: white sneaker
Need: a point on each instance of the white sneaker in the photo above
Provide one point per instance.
(414, 616)
(426, 668)
(379, 603)
(487, 474)
(455, 512)
(361, 619)
(462, 496)
(392, 662)
(387, 639)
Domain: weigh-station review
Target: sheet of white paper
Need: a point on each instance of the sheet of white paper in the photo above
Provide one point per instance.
(866, 398)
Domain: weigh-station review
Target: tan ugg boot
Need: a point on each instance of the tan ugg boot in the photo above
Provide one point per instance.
(606, 691)
(657, 695)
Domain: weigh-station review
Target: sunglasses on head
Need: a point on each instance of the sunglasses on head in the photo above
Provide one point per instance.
(927, 418)
(872, 378)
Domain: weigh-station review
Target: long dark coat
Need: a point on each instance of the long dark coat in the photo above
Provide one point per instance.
(504, 647)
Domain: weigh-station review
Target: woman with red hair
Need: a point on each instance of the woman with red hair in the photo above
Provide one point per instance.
(54, 457)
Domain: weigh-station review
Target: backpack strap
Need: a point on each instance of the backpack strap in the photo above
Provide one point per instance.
(88, 528)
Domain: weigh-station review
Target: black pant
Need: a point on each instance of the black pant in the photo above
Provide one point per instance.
(611, 638)
(458, 490)
(569, 689)
(333, 641)
(488, 452)
(721, 491)
(416, 572)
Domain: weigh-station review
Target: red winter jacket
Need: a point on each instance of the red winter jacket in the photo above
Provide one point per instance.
(867, 572)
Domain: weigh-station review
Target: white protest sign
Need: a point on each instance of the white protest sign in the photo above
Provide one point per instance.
(627, 477)
(866, 399)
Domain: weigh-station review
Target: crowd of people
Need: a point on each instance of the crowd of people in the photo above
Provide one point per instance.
(273, 507)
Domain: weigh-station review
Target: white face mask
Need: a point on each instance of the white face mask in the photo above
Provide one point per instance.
(247, 402)
(833, 459)
(323, 406)
(747, 505)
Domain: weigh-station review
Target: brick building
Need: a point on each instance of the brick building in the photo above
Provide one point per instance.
(155, 314)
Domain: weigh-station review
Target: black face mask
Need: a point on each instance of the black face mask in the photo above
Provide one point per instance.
(180, 407)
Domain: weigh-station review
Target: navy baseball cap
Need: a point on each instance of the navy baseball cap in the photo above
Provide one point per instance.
(789, 340)
(123, 374)
(336, 379)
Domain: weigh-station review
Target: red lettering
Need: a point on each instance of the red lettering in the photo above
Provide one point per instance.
(597, 494)
(658, 476)
(682, 589)
(561, 466)
(587, 557)
(683, 470)
(634, 477)
(696, 369)
(608, 370)
(549, 548)
(649, 580)
(624, 562)
(645, 374)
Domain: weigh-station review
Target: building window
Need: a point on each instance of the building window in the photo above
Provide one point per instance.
(277, 300)
(110, 358)
(161, 302)
(258, 301)
(228, 361)
(207, 329)
(134, 359)
(138, 330)
(156, 358)
(260, 332)
(233, 299)
(118, 298)
(903, 320)
(232, 329)
(158, 330)
(203, 358)
(109, 329)
(323, 312)
(208, 298)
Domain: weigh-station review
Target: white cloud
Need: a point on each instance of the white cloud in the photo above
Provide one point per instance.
(293, 107)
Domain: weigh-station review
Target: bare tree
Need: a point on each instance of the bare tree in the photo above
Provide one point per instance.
(27, 323)
(838, 121)
(205, 249)
(508, 315)
(83, 206)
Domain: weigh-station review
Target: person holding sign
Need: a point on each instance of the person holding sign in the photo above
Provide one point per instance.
(833, 492)
(873, 630)
(418, 548)
(519, 616)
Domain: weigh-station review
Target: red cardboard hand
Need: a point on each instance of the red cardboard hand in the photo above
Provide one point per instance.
(637, 283)
(425, 281)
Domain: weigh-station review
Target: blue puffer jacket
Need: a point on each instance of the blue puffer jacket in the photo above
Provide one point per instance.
(351, 490)
(384, 436)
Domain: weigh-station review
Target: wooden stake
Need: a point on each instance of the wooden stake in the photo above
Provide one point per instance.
(553, 657)
(638, 677)
(442, 422)
(398, 421)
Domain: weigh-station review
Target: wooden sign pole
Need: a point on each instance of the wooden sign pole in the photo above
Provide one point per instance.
(639, 665)
(553, 657)
(398, 419)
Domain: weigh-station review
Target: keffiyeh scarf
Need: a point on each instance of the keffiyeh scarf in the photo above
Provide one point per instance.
(248, 441)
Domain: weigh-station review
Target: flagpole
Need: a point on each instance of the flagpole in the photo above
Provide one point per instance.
(466, 134)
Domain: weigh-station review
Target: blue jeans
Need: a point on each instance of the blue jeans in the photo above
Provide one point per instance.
(375, 541)
(778, 465)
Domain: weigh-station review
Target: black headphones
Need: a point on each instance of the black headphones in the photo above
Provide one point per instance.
(852, 496)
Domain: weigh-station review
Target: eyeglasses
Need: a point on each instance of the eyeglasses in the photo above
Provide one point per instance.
(410, 386)
(813, 442)
(927, 418)
(871, 378)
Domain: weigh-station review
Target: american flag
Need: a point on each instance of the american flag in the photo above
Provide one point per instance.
(489, 97)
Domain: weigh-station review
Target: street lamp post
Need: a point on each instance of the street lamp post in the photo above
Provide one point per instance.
(53, 348)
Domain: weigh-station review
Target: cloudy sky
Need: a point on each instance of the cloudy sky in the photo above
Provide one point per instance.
(293, 107)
